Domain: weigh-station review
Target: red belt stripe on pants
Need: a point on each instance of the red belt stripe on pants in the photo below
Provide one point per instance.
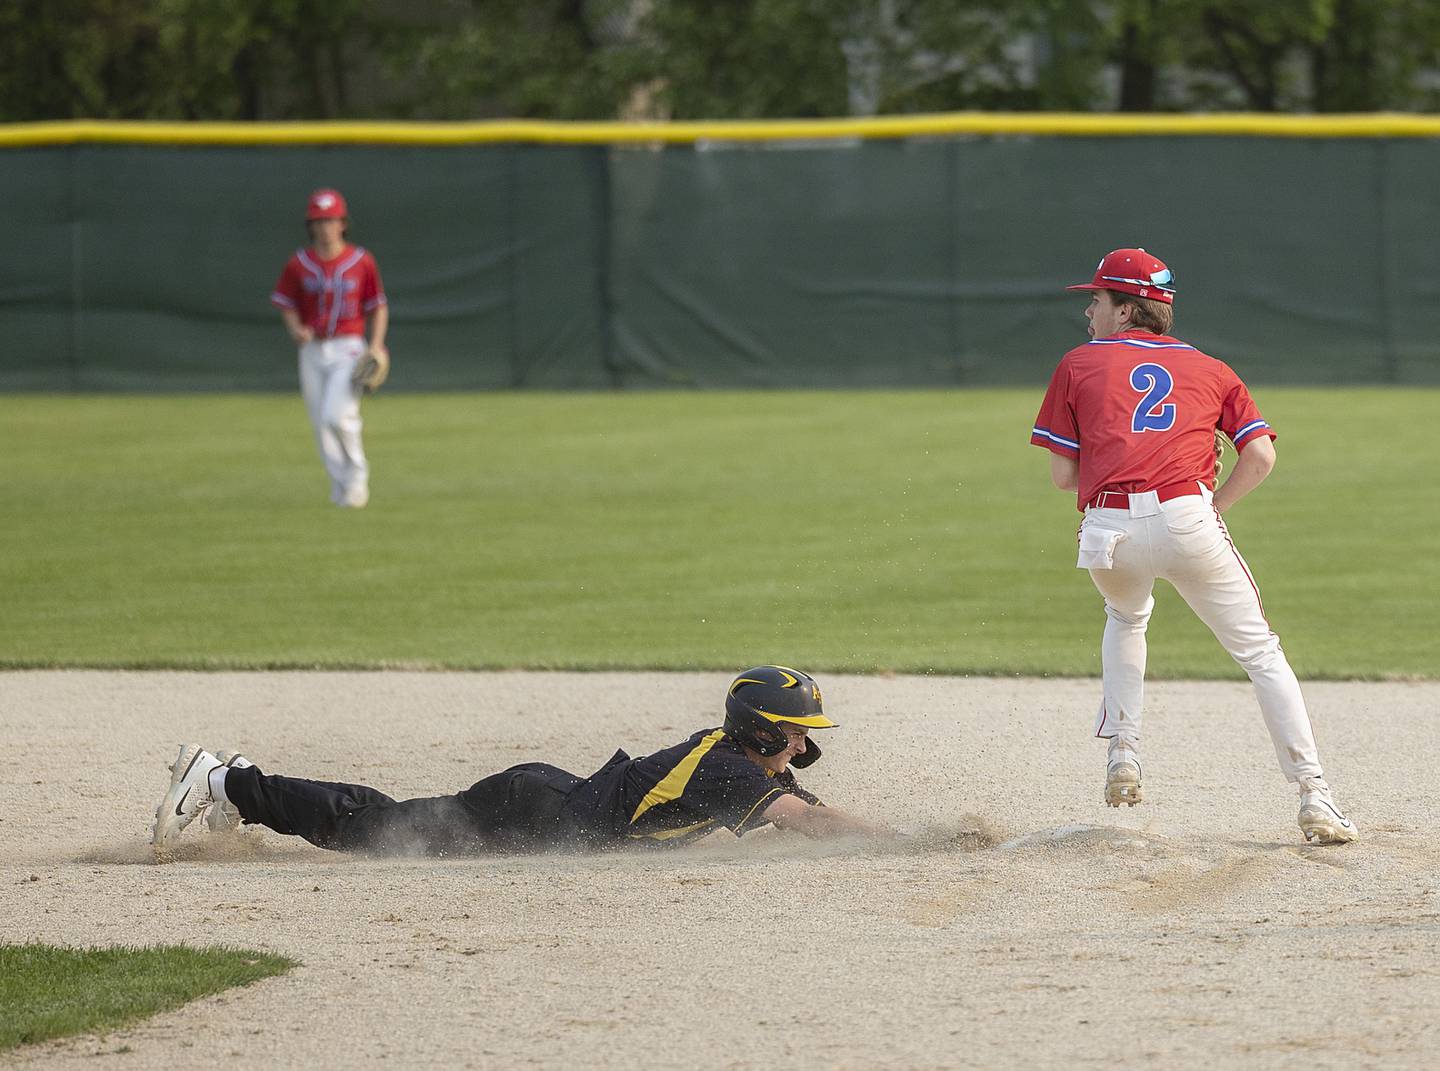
(1121, 499)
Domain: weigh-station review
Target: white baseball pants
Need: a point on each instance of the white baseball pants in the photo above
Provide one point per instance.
(333, 404)
(1185, 542)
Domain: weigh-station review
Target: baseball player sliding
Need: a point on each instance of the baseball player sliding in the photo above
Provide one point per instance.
(736, 776)
(1130, 421)
(325, 295)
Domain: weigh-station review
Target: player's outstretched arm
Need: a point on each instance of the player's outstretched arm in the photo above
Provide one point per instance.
(1254, 464)
(791, 812)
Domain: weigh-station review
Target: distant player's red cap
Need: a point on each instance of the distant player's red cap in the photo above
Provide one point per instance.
(326, 204)
(1133, 271)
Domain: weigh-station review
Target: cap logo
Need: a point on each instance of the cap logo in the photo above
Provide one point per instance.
(325, 200)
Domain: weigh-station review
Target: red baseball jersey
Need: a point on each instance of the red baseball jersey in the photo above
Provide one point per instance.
(1140, 412)
(332, 296)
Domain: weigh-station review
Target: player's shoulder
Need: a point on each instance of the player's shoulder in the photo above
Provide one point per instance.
(1201, 368)
(1201, 358)
(1137, 341)
(711, 740)
(724, 757)
(723, 748)
(1140, 344)
(709, 756)
(362, 255)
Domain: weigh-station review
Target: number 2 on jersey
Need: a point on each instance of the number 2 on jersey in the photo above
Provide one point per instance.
(1155, 382)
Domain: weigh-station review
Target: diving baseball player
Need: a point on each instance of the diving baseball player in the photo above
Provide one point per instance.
(1130, 420)
(736, 777)
(326, 293)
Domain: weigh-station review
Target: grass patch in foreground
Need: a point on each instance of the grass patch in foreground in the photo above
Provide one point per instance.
(48, 992)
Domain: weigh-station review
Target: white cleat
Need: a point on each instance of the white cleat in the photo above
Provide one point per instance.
(1122, 783)
(189, 793)
(225, 817)
(1320, 819)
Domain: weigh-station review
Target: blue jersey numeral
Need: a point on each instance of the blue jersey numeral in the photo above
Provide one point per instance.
(1155, 382)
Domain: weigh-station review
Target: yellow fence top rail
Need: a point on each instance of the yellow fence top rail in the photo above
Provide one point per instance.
(987, 124)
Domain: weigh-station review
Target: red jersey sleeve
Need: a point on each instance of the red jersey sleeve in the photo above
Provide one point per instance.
(1055, 427)
(1240, 417)
(286, 294)
(372, 290)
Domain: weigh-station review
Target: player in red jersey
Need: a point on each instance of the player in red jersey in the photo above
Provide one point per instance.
(325, 295)
(1130, 421)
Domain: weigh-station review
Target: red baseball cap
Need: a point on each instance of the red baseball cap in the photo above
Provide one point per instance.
(1133, 271)
(326, 204)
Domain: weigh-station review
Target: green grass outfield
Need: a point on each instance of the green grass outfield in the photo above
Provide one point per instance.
(48, 992)
(907, 531)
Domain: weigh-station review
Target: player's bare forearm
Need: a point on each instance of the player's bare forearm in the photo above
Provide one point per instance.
(1254, 464)
(792, 813)
(299, 333)
(379, 325)
(1065, 472)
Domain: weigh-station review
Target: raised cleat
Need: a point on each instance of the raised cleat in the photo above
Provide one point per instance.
(189, 793)
(1122, 783)
(1320, 819)
(225, 817)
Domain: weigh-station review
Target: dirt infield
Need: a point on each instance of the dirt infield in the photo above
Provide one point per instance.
(1023, 924)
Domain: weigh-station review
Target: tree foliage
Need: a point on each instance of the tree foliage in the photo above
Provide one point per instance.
(180, 59)
(599, 59)
(540, 59)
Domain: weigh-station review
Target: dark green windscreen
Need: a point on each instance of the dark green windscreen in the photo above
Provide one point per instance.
(906, 262)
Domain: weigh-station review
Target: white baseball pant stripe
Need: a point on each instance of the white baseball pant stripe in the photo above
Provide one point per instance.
(332, 402)
(1185, 542)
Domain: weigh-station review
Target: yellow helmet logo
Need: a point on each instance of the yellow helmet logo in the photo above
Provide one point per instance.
(792, 677)
(790, 680)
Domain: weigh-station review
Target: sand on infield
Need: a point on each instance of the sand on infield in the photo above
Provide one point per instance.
(1021, 924)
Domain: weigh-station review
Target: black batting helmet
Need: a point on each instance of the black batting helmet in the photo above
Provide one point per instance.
(760, 699)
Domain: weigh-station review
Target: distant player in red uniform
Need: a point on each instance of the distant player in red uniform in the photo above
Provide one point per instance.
(1130, 421)
(325, 295)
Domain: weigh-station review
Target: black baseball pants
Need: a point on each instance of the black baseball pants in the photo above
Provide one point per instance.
(521, 809)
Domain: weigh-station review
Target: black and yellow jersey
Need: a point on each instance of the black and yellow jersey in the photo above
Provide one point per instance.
(679, 794)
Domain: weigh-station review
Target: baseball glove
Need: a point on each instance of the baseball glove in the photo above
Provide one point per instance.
(1220, 443)
(371, 370)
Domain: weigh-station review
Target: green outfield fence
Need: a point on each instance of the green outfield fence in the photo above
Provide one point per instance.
(918, 251)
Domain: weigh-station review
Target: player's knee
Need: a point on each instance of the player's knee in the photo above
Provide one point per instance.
(1131, 618)
(1261, 657)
